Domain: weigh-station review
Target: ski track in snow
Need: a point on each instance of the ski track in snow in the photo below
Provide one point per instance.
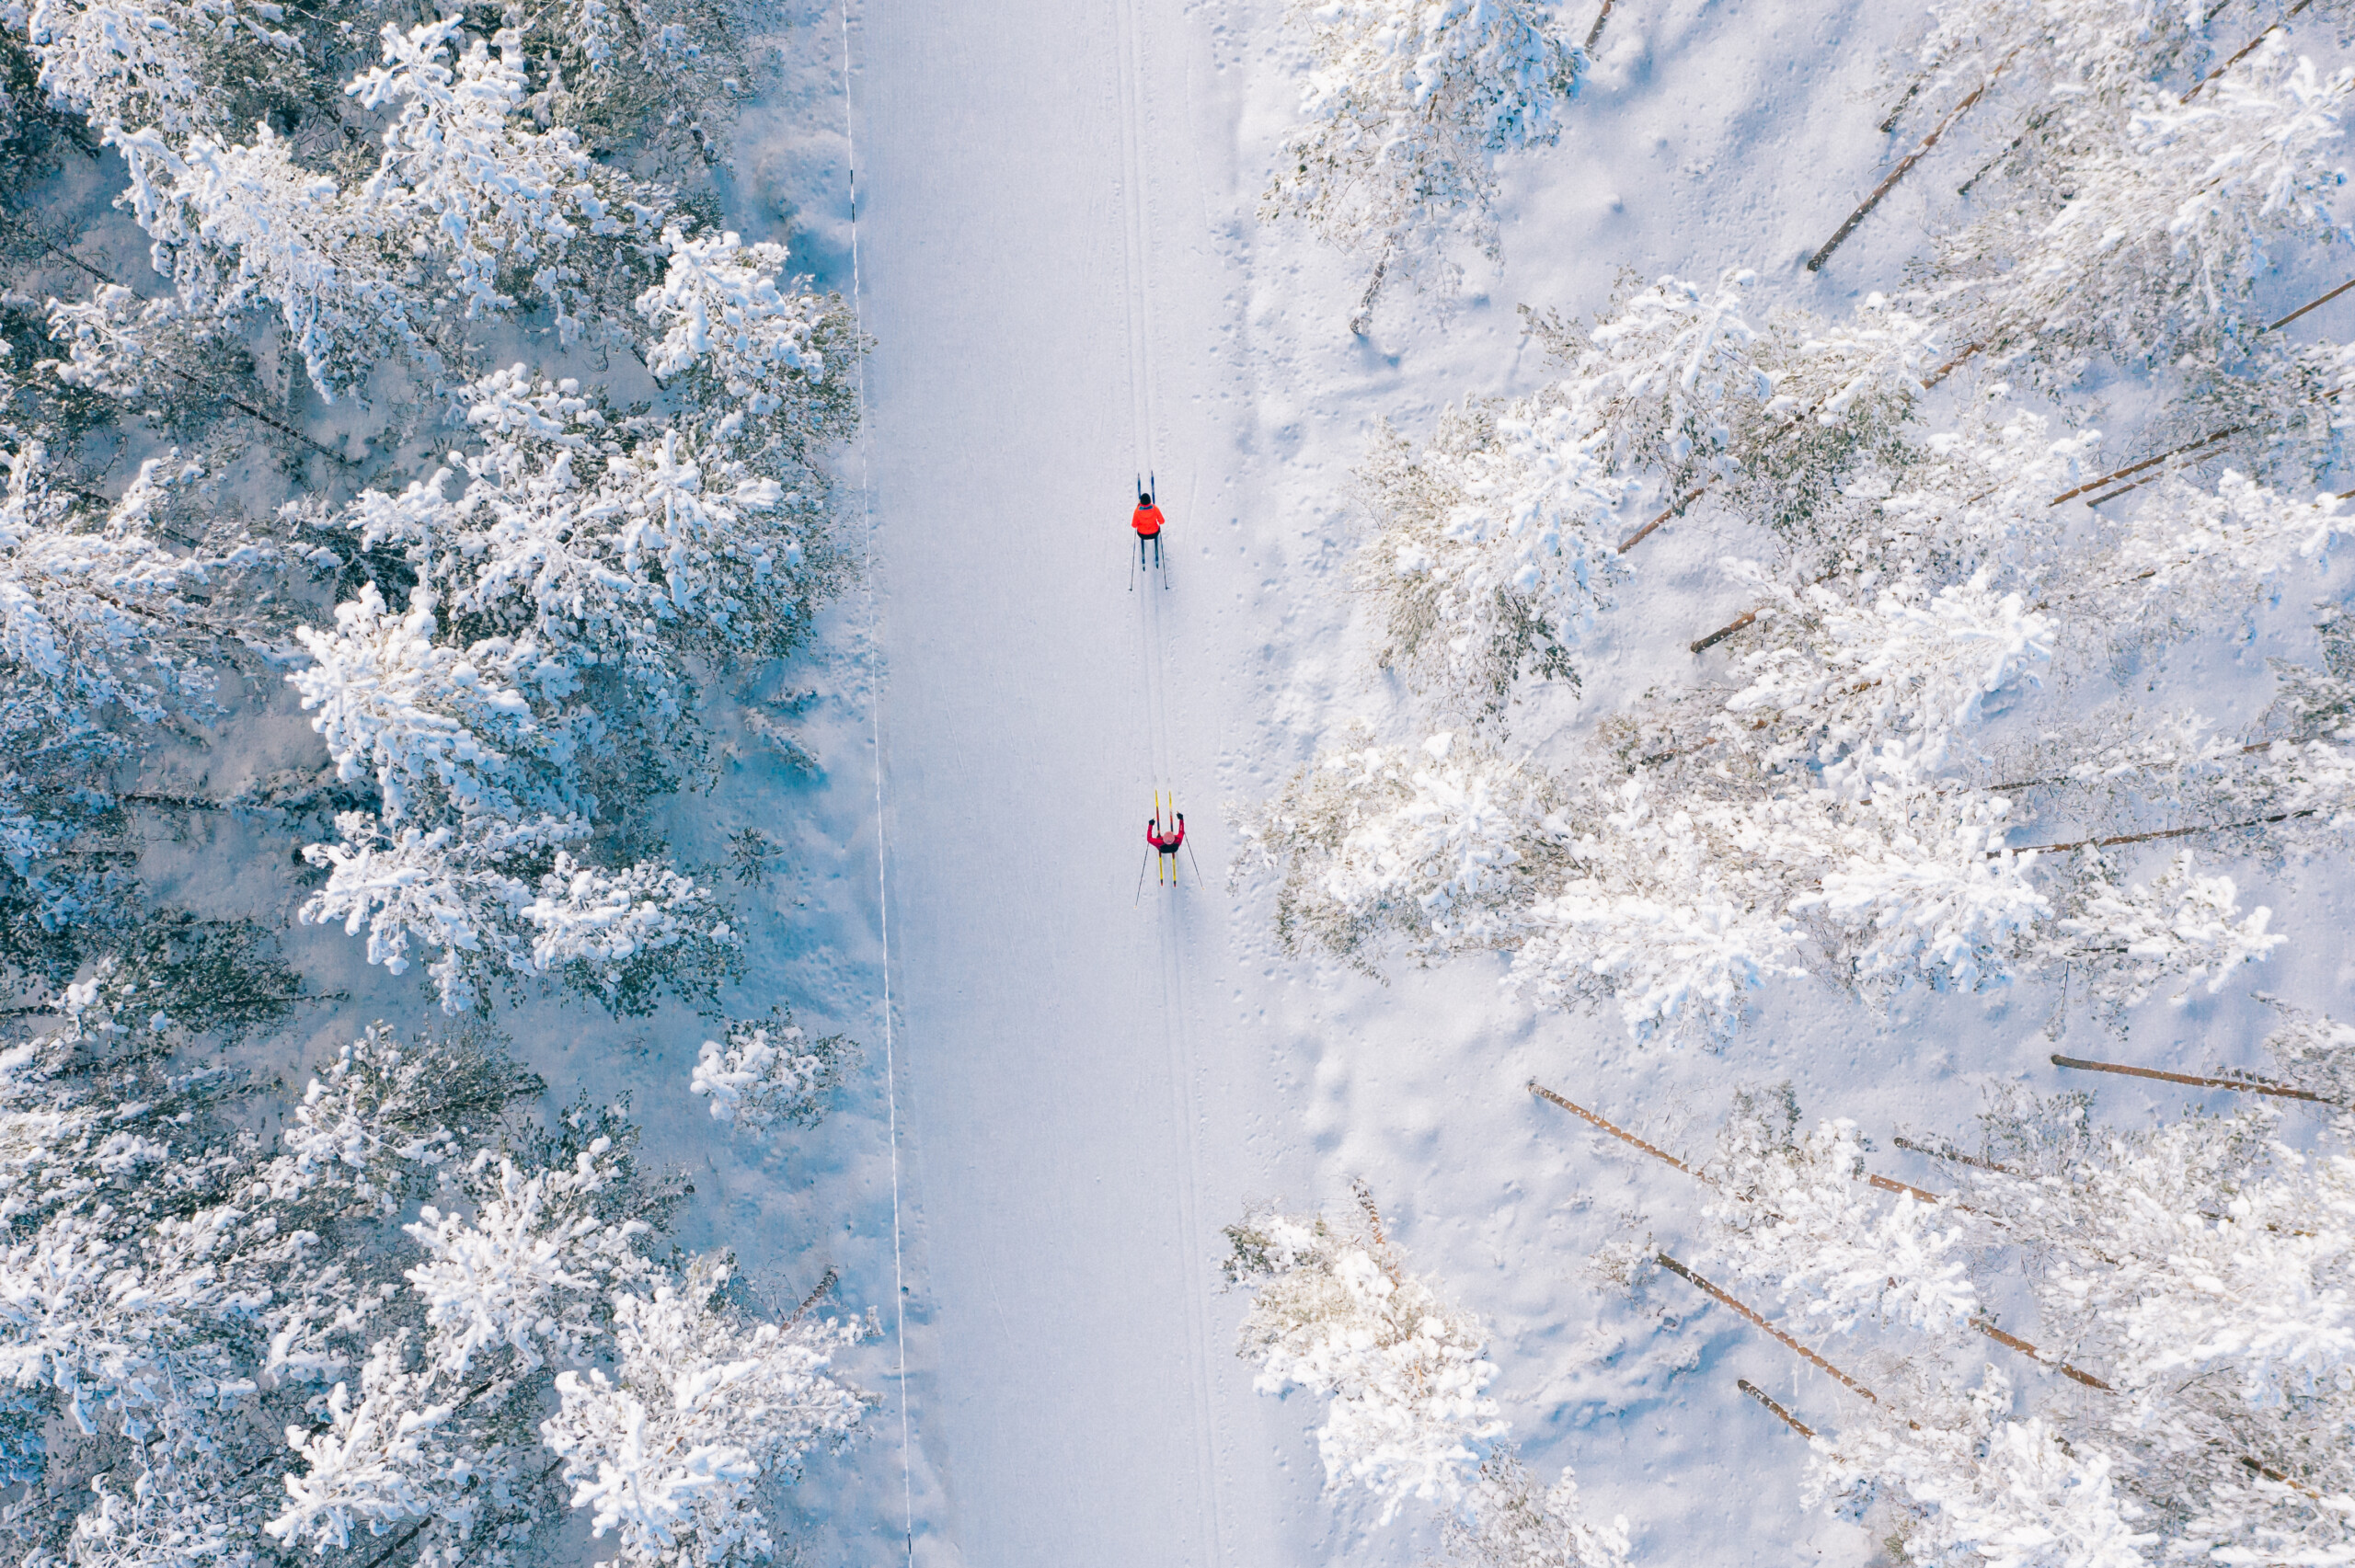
(1057, 260)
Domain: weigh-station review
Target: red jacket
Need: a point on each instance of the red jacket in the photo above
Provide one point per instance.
(1147, 520)
(1153, 836)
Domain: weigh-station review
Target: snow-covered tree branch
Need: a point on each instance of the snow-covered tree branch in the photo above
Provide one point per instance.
(1405, 110)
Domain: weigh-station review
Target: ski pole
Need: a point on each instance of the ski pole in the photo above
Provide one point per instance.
(1139, 894)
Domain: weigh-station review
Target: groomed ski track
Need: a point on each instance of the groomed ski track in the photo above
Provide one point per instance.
(1047, 321)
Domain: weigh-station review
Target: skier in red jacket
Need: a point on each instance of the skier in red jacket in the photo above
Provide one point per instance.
(1147, 520)
(1167, 844)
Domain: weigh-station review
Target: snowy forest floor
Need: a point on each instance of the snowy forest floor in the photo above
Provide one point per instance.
(1060, 266)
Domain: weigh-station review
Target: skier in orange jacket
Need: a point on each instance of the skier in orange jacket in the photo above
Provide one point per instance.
(1147, 520)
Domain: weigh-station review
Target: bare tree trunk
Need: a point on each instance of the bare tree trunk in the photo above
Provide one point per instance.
(1889, 120)
(1715, 1294)
(2246, 1085)
(1886, 1184)
(1722, 633)
(2244, 52)
(2151, 838)
(1954, 1154)
(2138, 468)
(1815, 263)
(1594, 33)
(1686, 500)
(1613, 1129)
(817, 1294)
(1793, 1421)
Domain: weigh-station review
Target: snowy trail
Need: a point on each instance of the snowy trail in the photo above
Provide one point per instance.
(1068, 1382)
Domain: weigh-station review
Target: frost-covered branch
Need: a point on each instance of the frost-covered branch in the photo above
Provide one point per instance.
(1334, 1311)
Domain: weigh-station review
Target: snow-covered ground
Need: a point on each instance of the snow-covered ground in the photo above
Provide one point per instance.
(1063, 1094)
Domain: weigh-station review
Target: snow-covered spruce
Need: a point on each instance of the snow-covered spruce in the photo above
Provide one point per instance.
(215, 1341)
(1335, 1312)
(768, 1071)
(1404, 109)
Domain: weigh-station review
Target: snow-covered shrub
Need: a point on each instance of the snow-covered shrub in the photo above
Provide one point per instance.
(1507, 1522)
(1335, 1312)
(1405, 110)
(768, 1071)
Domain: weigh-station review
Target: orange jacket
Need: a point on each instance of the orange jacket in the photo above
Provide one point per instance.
(1147, 520)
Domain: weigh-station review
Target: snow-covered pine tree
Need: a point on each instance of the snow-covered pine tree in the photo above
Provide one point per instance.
(1954, 1477)
(1405, 110)
(705, 1411)
(1826, 804)
(224, 1343)
(568, 598)
(2312, 1053)
(1335, 1312)
(1497, 543)
(217, 1341)
(468, 205)
(117, 615)
(2198, 1272)
(1793, 1210)
(1674, 909)
(738, 338)
(2134, 225)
